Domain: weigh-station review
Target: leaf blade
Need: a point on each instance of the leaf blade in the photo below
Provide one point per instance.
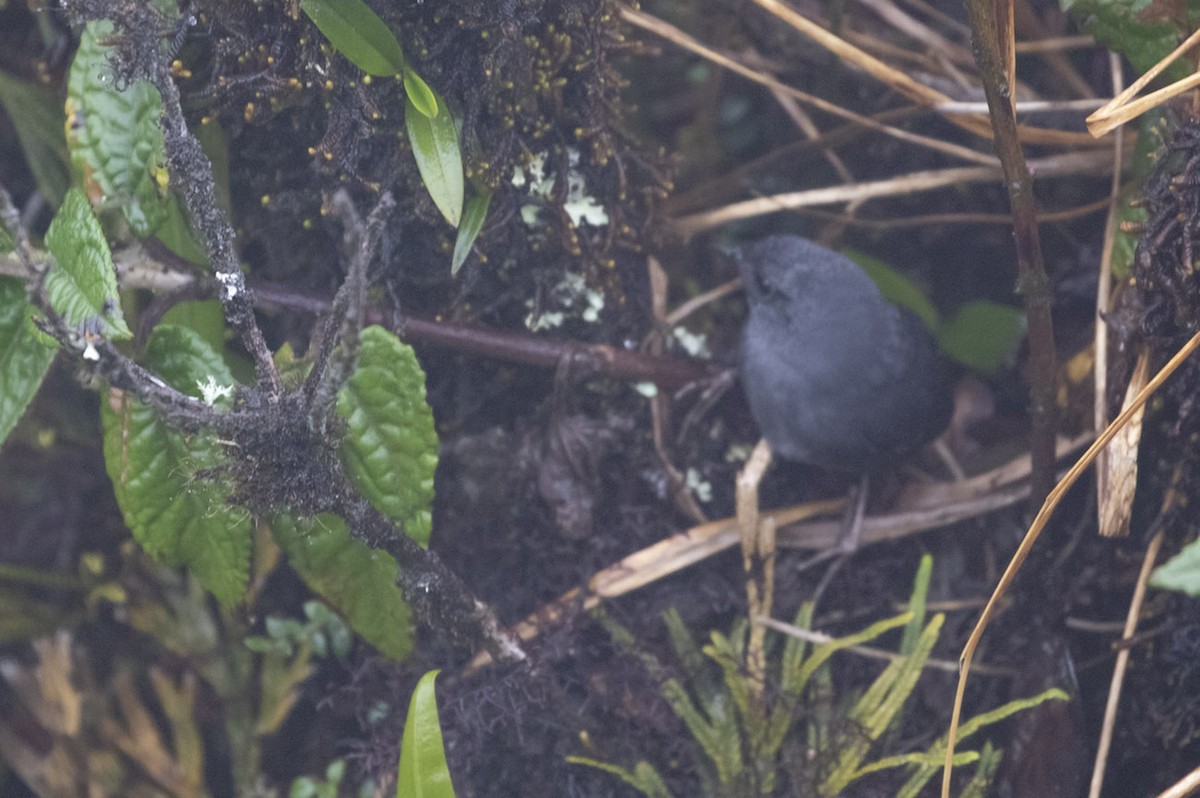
(474, 215)
(168, 485)
(113, 136)
(391, 448)
(423, 772)
(358, 33)
(356, 580)
(25, 357)
(82, 285)
(439, 158)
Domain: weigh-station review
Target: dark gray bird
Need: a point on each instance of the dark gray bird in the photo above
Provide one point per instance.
(836, 375)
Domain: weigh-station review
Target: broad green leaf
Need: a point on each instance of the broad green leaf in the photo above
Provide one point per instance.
(1142, 31)
(439, 160)
(1181, 572)
(25, 357)
(38, 120)
(113, 136)
(168, 485)
(358, 33)
(983, 335)
(423, 98)
(82, 285)
(357, 580)
(897, 288)
(473, 216)
(423, 770)
(391, 448)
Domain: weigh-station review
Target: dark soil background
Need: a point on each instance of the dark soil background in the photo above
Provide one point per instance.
(549, 475)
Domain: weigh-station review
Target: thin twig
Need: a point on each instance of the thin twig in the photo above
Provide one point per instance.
(1118, 676)
(1032, 284)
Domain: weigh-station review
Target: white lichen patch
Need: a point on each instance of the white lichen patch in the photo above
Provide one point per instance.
(211, 390)
(230, 284)
(580, 206)
(571, 296)
(698, 485)
(694, 344)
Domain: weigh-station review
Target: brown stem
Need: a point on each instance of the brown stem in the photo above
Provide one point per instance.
(1032, 284)
(667, 372)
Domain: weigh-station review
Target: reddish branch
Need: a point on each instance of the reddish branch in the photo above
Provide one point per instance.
(1032, 284)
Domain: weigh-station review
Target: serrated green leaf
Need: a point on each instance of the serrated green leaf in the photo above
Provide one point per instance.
(39, 121)
(418, 91)
(82, 285)
(24, 355)
(1181, 572)
(168, 485)
(391, 448)
(113, 136)
(439, 158)
(423, 771)
(474, 214)
(358, 581)
(358, 33)
(983, 335)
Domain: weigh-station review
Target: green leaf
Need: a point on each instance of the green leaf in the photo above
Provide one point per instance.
(423, 770)
(391, 448)
(1181, 572)
(357, 580)
(418, 91)
(168, 485)
(1142, 31)
(472, 220)
(113, 136)
(643, 778)
(983, 336)
(439, 159)
(39, 121)
(897, 288)
(82, 285)
(358, 33)
(25, 356)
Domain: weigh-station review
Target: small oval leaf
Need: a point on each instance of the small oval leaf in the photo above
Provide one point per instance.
(82, 285)
(391, 448)
(474, 213)
(983, 336)
(439, 159)
(423, 771)
(358, 33)
(421, 95)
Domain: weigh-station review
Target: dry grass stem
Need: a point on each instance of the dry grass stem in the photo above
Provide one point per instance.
(676, 36)
(1122, 108)
(1118, 677)
(1035, 531)
(1072, 163)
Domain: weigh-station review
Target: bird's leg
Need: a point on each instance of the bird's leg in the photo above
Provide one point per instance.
(848, 538)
